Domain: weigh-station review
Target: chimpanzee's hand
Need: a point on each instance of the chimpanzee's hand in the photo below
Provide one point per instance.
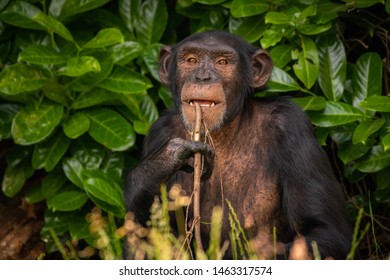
(179, 150)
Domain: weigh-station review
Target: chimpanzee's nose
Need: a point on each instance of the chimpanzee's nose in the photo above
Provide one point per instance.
(203, 75)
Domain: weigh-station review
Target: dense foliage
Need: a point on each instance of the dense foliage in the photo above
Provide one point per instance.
(79, 88)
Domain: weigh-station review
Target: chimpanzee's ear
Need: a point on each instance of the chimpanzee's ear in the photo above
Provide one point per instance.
(164, 60)
(262, 68)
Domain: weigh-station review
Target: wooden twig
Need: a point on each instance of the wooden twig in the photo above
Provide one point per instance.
(197, 175)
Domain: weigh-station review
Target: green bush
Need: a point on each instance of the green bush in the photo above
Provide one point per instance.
(79, 88)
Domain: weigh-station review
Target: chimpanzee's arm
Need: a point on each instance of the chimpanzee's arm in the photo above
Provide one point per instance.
(163, 155)
(312, 198)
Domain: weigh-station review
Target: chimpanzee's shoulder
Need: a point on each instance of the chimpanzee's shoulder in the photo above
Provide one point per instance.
(166, 127)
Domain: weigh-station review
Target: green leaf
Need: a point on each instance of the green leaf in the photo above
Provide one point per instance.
(249, 28)
(77, 66)
(365, 129)
(246, 8)
(53, 182)
(166, 97)
(148, 109)
(103, 189)
(281, 81)
(281, 55)
(378, 159)
(104, 38)
(126, 52)
(333, 67)
(53, 25)
(310, 103)
(278, 18)
(76, 125)
(306, 68)
(128, 11)
(19, 78)
(386, 142)
(48, 153)
(367, 77)
(73, 169)
(15, 177)
(348, 152)
(150, 56)
(314, 29)
(34, 194)
(41, 55)
(336, 113)
(19, 13)
(124, 80)
(91, 79)
(63, 9)
(141, 127)
(151, 23)
(376, 103)
(32, 125)
(387, 6)
(88, 152)
(91, 98)
(7, 114)
(111, 129)
(67, 201)
(209, 2)
(327, 11)
(113, 165)
(275, 34)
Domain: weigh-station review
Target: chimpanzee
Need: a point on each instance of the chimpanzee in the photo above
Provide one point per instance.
(262, 157)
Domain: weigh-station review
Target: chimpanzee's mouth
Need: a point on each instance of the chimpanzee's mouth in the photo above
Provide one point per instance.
(202, 103)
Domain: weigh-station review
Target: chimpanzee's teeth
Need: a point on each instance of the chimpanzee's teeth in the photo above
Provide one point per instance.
(211, 104)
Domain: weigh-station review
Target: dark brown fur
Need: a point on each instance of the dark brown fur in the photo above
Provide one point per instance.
(262, 156)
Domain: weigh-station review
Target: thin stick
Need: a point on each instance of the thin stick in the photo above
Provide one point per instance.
(197, 175)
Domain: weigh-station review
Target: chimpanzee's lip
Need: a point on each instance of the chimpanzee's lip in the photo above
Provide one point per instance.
(201, 102)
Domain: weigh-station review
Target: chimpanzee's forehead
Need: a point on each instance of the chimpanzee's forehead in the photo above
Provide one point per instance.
(212, 45)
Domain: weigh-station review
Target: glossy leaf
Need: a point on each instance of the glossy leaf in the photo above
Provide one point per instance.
(91, 79)
(336, 113)
(150, 56)
(281, 55)
(348, 152)
(7, 114)
(328, 10)
(99, 186)
(41, 55)
(307, 66)
(15, 177)
(73, 170)
(249, 28)
(76, 125)
(65, 8)
(376, 103)
(125, 52)
(77, 66)
(53, 25)
(105, 37)
(314, 29)
(88, 152)
(386, 142)
(91, 98)
(152, 20)
(333, 67)
(377, 160)
(278, 18)
(34, 194)
(113, 164)
(53, 182)
(209, 2)
(166, 97)
(32, 125)
(365, 129)
(310, 103)
(20, 78)
(19, 13)
(246, 8)
(367, 77)
(48, 153)
(281, 81)
(148, 109)
(124, 80)
(111, 130)
(128, 11)
(67, 201)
